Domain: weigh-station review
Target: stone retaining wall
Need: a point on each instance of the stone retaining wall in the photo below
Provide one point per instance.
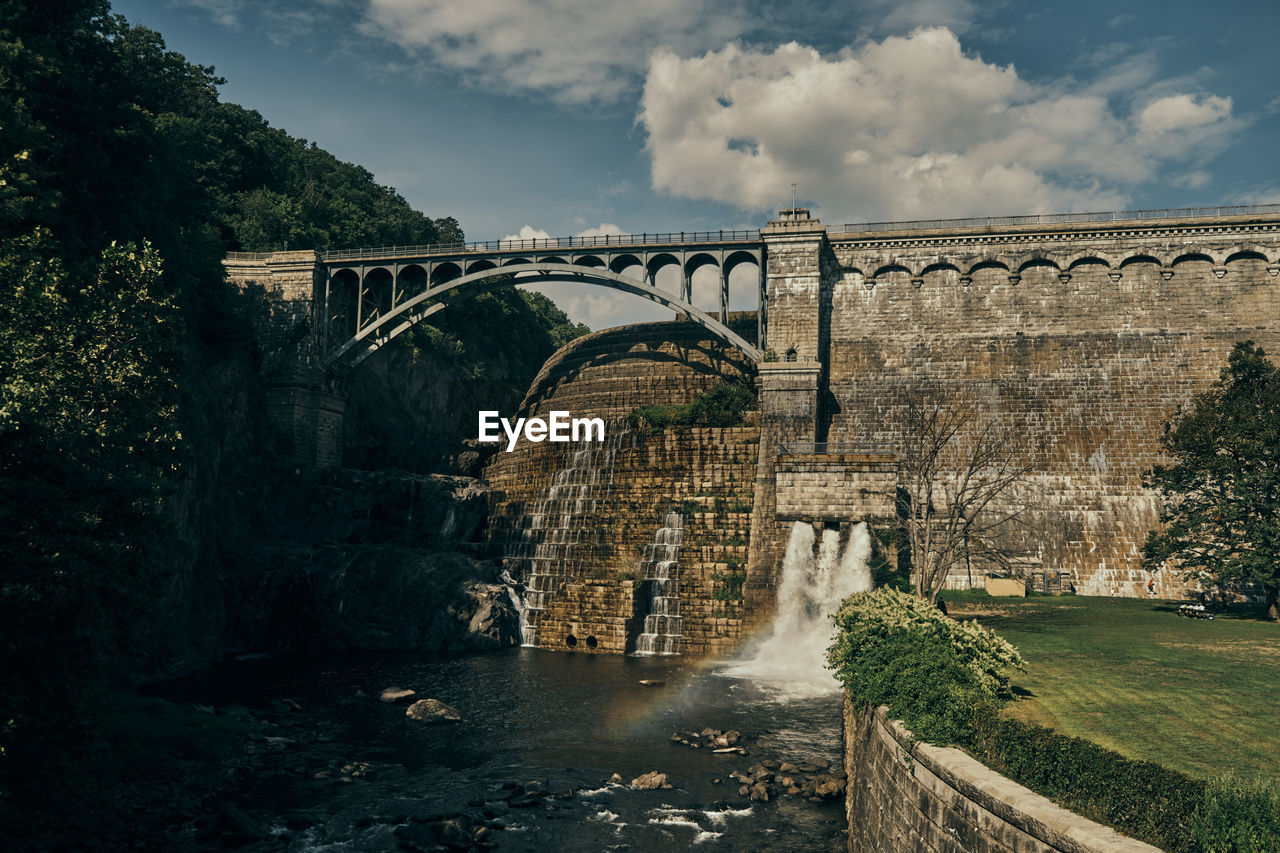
(914, 797)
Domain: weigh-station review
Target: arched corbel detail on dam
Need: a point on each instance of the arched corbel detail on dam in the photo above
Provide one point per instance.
(939, 266)
(886, 269)
(1038, 261)
(1143, 257)
(391, 324)
(1085, 258)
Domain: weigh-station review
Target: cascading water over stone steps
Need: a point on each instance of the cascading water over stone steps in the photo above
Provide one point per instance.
(663, 625)
(555, 533)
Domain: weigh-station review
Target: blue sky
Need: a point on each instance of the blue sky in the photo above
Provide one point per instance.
(586, 116)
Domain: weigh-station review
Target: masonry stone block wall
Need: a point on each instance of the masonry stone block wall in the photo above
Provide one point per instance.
(905, 796)
(301, 401)
(1088, 337)
(836, 487)
(794, 264)
(705, 474)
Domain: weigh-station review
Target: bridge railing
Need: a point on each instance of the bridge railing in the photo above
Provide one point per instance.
(541, 243)
(1056, 218)
(806, 448)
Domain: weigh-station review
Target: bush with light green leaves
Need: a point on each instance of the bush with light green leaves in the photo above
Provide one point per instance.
(933, 672)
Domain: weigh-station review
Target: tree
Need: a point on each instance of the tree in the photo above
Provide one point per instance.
(962, 488)
(1221, 511)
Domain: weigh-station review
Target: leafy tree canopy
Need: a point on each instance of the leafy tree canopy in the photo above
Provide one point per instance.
(1221, 512)
(123, 182)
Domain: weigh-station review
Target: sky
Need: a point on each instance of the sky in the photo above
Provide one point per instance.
(569, 117)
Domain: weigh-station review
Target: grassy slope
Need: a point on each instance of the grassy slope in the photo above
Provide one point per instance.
(1198, 696)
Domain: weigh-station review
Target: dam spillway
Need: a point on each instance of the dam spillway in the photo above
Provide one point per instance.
(601, 596)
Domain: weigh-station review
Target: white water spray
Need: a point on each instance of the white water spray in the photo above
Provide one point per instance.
(518, 603)
(792, 658)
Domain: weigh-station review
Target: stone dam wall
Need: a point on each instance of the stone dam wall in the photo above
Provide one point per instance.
(1085, 339)
(904, 796)
(597, 594)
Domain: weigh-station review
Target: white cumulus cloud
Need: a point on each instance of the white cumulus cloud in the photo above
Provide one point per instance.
(601, 230)
(908, 126)
(1182, 112)
(575, 51)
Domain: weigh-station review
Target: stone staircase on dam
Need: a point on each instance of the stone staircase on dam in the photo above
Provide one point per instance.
(706, 475)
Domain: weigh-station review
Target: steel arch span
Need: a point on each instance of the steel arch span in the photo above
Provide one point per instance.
(374, 336)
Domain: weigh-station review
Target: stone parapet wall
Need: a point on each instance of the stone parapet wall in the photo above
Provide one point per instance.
(904, 796)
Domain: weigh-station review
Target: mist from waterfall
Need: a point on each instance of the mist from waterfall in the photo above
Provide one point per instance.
(791, 659)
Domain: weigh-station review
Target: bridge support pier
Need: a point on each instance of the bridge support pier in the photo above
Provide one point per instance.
(309, 418)
(289, 288)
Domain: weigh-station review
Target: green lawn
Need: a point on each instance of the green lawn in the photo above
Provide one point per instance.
(1198, 696)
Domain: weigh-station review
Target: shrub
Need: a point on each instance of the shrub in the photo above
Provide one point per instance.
(869, 618)
(1142, 799)
(923, 682)
(1238, 815)
(722, 405)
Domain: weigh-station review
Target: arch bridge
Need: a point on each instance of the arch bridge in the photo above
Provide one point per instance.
(372, 295)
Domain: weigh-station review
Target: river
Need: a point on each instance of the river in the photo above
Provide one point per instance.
(346, 772)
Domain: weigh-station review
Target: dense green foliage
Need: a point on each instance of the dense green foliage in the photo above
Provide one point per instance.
(1239, 815)
(722, 405)
(869, 621)
(892, 650)
(1141, 798)
(124, 180)
(1221, 509)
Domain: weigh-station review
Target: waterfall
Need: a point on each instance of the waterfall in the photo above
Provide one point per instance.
(554, 533)
(792, 656)
(517, 601)
(663, 625)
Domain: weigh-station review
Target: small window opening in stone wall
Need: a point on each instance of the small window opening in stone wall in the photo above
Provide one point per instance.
(791, 354)
(571, 641)
(591, 642)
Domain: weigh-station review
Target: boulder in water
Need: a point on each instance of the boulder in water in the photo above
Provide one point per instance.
(432, 711)
(395, 695)
(829, 789)
(650, 781)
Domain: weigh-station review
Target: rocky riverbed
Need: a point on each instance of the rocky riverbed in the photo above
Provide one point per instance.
(526, 750)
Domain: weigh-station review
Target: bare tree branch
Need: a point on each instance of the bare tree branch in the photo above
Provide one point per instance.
(963, 475)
